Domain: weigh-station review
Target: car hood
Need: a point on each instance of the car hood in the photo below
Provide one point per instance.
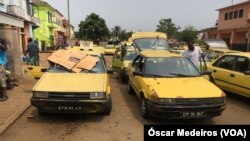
(195, 87)
(72, 82)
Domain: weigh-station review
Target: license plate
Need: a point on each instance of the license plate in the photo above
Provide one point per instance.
(193, 114)
(69, 108)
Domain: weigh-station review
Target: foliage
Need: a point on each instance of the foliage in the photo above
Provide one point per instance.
(189, 34)
(93, 28)
(168, 27)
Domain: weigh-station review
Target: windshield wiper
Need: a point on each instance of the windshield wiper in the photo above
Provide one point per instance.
(159, 76)
(183, 75)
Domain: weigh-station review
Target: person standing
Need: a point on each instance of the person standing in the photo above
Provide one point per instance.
(193, 54)
(33, 52)
(3, 60)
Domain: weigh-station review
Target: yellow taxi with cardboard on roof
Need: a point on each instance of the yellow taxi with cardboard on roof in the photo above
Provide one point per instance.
(75, 82)
(170, 86)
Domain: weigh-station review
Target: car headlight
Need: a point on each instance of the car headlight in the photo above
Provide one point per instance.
(166, 101)
(97, 95)
(40, 94)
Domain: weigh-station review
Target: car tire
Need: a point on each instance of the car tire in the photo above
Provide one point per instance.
(144, 109)
(108, 107)
(130, 89)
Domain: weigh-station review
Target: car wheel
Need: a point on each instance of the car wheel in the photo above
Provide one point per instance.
(130, 89)
(144, 110)
(108, 107)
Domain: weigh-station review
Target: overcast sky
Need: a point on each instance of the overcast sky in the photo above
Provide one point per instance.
(144, 15)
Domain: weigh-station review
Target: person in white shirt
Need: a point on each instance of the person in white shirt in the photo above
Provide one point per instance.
(193, 54)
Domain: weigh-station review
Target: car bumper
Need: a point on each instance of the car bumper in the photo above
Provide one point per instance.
(184, 112)
(70, 106)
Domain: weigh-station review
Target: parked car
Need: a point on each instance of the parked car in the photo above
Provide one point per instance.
(215, 48)
(231, 72)
(110, 49)
(75, 82)
(121, 59)
(170, 86)
(150, 40)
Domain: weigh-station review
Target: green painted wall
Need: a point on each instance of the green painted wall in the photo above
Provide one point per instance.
(44, 33)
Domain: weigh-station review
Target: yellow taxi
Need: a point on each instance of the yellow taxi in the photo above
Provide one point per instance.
(231, 72)
(121, 59)
(110, 49)
(215, 48)
(170, 86)
(75, 82)
(150, 40)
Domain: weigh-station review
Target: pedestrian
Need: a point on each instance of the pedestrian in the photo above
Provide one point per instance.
(33, 51)
(3, 60)
(193, 54)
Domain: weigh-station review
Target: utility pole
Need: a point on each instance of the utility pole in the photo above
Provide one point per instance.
(69, 24)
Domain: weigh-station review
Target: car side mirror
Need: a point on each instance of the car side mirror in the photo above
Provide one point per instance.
(206, 72)
(136, 73)
(247, 72)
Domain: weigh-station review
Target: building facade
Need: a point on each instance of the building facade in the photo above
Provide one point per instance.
(234, 26)
(45, 33)
(15, 27)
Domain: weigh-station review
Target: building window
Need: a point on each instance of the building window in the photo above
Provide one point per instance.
(1, 3)
(226, 16)
(231, 15)
(241, 13)
(236, 14)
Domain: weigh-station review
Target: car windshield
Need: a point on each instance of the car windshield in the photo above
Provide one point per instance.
(97, 68)
(130, 55)
(170, 67)
(151, 43)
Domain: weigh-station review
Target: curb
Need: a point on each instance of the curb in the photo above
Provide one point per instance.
(13, 117)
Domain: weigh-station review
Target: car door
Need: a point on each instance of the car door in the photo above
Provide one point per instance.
(222, 69)
(36, 71)
(240, 82)
(137, 66)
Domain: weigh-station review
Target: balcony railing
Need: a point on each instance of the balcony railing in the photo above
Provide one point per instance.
(35, 20)
(15, 11)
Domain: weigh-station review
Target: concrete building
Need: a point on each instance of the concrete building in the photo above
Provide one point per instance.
(16, 26)
(45, 33)
(234, 26)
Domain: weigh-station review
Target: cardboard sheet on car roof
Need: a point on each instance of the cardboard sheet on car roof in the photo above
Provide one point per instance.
(73, 60)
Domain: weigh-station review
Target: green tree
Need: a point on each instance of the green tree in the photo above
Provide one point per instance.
(93, 28)
(115, 32)
(125, 35)
(168, 27)
(189, 34)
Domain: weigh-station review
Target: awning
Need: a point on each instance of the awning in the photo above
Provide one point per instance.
(10, 20)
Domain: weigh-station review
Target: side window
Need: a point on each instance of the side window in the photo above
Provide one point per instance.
(138, 64)
(226, 62)
(242, 64)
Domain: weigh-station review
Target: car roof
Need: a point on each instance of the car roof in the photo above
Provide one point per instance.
(158, 53)
(245, 54)
(139, 35)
